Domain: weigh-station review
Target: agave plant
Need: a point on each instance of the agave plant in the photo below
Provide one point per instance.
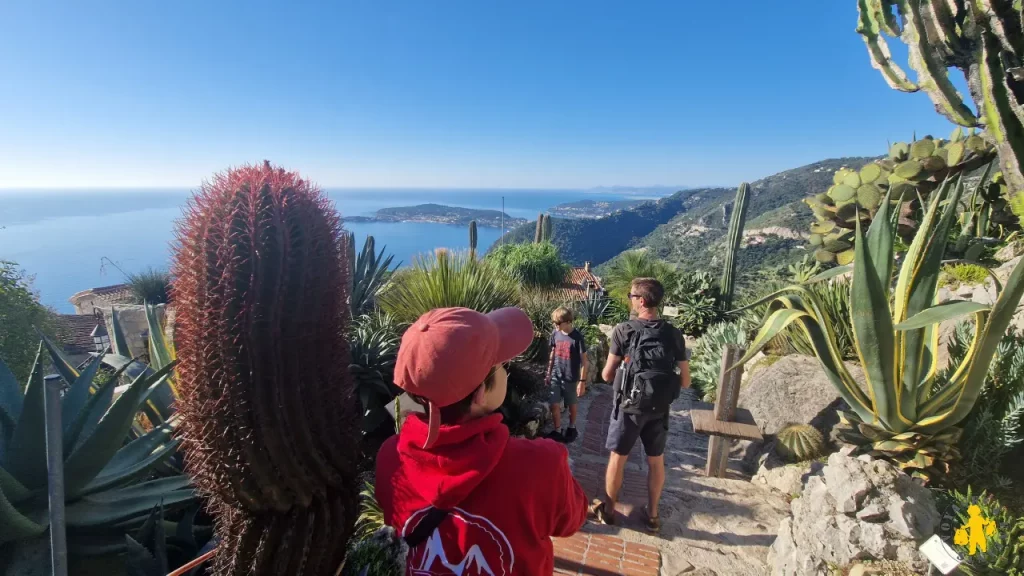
(706, 363)
(108, 486)
(374, 344)
(905, 413)
(370, 273)
(444, 279)
(590, 310)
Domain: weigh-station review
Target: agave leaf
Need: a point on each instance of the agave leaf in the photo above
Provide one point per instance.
(126, 472)
(940, 313)
(13, 489)
(138, 561)
(112, 506)
(26, 454)
(892, 446)
(152, 537)
(829, 274)
(776, 322)
(873, 336)
(60, 362)
(160, 352)
(118, 343)
(14, 525)
(77, 395)
(880, 238)
(89, 458)
(998, 320)
(10, 401)
(89, 416)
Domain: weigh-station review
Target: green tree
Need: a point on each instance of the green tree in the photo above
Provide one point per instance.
(20, 314)
(621, 271)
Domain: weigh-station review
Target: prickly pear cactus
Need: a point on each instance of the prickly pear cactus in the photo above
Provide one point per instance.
(799, 442)
(266, 401)
(909, 173)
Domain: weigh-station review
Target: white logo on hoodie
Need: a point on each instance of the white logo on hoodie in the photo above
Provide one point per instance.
(489, 552)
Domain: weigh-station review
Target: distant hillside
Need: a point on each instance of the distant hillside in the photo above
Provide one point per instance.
(686, 227)
(592, 208)
(440, 214)
(600, 239)
(776, 227)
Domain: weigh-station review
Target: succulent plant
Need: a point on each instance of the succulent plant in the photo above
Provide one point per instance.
(538, 234)
(370, 273)
(736, 222)
(472, 238)
(799, 442)
(266, 403)
(910, 172)
(905, 415)
(109, 487)
(546, 229)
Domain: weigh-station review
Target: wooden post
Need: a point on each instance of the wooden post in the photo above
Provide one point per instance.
(725, 409)
(55, 475)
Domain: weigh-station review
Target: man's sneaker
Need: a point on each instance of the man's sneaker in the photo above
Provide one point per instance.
(571, 434)
(555, 435)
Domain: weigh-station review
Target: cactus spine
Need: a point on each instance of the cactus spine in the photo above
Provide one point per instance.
(266, 400)
(799, 442)
(472, 238)
(983, 40)
(739, 217)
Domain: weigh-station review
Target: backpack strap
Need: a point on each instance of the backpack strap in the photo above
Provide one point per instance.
(426, 527)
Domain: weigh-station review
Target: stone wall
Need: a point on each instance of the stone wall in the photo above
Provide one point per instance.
(132, 321)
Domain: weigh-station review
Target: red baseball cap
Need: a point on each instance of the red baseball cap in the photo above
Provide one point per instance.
(448, 352)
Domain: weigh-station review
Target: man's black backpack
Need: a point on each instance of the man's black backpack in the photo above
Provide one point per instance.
(648, 379)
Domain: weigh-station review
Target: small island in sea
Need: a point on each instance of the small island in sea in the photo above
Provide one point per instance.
(440, 214)
(592, 208)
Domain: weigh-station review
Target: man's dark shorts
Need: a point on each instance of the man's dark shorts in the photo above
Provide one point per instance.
(651, 429)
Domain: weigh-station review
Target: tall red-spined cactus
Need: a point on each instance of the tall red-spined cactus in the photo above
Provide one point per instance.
(267, 415)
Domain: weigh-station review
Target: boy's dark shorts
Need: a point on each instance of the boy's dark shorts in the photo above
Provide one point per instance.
(651, 429)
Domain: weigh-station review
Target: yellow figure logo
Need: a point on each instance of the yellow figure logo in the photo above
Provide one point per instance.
(974, 534)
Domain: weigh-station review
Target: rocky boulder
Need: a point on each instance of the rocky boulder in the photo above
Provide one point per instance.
(793, 389)
(856, 509)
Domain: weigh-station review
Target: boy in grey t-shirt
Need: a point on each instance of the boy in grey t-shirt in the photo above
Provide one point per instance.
(567, 372)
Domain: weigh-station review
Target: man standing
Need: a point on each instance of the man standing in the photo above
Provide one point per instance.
(644, 356)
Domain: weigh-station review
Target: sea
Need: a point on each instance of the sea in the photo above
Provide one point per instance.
(71, 240)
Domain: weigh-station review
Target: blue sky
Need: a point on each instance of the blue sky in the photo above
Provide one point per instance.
(474, 93)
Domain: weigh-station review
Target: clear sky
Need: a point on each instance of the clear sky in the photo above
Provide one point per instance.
(473, 93)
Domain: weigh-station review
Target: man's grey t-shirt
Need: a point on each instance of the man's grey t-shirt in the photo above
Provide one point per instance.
(568, 349)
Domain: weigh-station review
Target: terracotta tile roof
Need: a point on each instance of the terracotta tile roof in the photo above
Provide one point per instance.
(74, 332)
(572, 289)
(116, 294)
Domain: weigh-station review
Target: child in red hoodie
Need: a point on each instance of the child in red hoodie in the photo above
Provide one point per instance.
(467, 498)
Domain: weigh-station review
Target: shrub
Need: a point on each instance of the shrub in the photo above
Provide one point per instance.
(1005, 550)
(381, 554)
(993, 428)
(151, 286)
(835, 300)
(20, 312)
(698, 297)
(963, 273)
(538, 305)
(373, 344)
(535, 264)
(706, 362)
(444, 279)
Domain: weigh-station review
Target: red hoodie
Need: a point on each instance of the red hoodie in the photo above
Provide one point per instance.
(507, 497)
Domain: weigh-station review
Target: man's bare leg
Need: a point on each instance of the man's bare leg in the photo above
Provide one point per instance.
(572, 415)
(613, 479)
(655, 482)
(556, 417)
